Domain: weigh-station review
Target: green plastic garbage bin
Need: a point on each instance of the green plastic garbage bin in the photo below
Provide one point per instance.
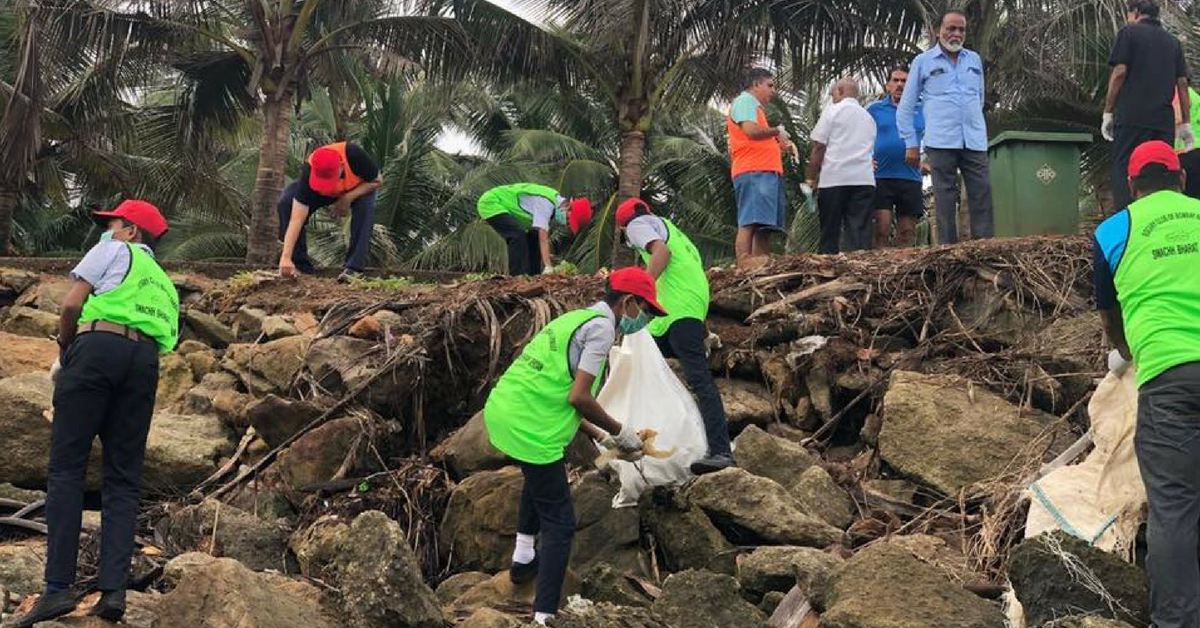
(1035, 182)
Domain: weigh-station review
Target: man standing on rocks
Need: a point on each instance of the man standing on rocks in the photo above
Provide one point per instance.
(947, 80)
(535, 408)
(339, 174)
(1148, 294)
(843, 142)
(897, 182)
(756, 155)
(121, 311)
(682, 285)
(521, 214)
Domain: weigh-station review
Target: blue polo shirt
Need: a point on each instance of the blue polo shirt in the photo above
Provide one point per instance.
(889, 146)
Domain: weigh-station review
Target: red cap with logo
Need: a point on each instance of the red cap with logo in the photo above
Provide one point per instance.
(324, 171)
(629, 208)
(145, 215)
(636, 281)
(579, 213)
(1153, 152)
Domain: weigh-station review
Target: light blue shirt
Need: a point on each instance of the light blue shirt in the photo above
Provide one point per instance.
(952, 97)
(744, 108)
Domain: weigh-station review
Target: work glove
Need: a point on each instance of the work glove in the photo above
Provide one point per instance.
(810, 204)
(627, 441)
(1117, 364)
(1106, 127)
(55, 369)
(1184, 135)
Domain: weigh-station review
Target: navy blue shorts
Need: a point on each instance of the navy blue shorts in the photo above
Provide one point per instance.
(760, 200)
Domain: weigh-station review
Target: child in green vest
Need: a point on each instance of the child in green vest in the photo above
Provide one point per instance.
(521, 214)
(535, 408)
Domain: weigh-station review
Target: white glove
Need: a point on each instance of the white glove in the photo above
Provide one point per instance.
(55, 369)
(627, 441)
(1117, 364)
(1185, 136)
(806, 190)
(1106, 127)
(549, 270)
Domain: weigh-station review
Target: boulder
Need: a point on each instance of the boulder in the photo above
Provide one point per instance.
(208, 329)
(17, 281)
(188, 347)
(269, 367)
(781, 567)
(24, 495)
(276, 327)
(604, 583)
(1085, 621)
(340, 364)
(480, 523)
(582, 613)
(746, 503)
(223, 530)
(48, 294)
(22, 567)
(223, 593)
(275, 419)
(701, 599)
(746, 402)
(249, 320)
(319, 454)
(24, 402)
(500, 592)
(821, 497)
(770, 456)
(182, 450)
(948, 434)
(934, 550)
(25, 354)
(602, 532)
(26, 321)
(217, 394)
(468, 450)
(202, 362)
(687, 539)
(1038, 569)
(490, 618)
(885, 586)
(175, 378)
(459, 583)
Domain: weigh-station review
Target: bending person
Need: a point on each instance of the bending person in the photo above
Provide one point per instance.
(521, 214)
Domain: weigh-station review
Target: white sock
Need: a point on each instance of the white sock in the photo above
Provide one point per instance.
(542, 617)
(524, 552)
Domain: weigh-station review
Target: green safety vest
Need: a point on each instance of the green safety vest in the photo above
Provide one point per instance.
(145, 300)
(1193, 118)
(682, 288)
(1158, 284)
(506, 199)
(527, 415)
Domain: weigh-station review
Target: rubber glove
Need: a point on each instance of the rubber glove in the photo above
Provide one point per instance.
(1106, 127)
(1117, 364)
(627, 441)
(807, 190)
(549, 270)
(1184, 135)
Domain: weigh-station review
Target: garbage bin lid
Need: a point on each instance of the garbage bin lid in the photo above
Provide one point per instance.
(1039, 136)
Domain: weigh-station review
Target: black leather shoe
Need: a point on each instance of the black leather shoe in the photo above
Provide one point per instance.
(49, 606)
(520, 573)
(711, 464)
(111, 606)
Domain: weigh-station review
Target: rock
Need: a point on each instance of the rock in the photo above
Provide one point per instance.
(223, 530)
(602, 532)
(202, 362)
(746, 402)
(223, 593)
(276, 419)
(821, 497)
(174, 379)
(771, 457)
(1085, 621)
(788, 432)
(770, 602)
(468, 450)
(316, 546)
(23, 401)
(188, 347)
(604, 583)
(820, 394)
(454, 586)
(8, 491)
(26, 321)
(183, 450)
(17, 281)
(884, 586)
(175, 568)
(216, 394)
(1048, 590)
(935, 551)
(735, 498)
(249, 319)
(47, 295)
(22, 567)
(208, 329)
(269, 367)
(140, 611)
(582, 613)
(499, 591)
(276, 327)
(490, 618)
(934, 432)
(340, 364)
(480, 523)
(24, 354)
(317, 455)
(390, 320)
(780, 568)
(367, 328)
(687, 538)
(700, 599)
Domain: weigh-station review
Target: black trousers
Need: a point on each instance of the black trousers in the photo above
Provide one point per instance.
(945, 165)
(1125, 139)
(524, 250)
(106, 388)
(546, 509)
(848, 205)
(362, 222)
(684, 341)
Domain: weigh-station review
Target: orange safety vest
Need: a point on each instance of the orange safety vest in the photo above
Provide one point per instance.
(750, 155)
(349, 180)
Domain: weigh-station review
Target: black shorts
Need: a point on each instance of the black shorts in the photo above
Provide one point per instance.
(902, 196)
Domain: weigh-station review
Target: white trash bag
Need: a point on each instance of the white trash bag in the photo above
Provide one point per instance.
(643, 392)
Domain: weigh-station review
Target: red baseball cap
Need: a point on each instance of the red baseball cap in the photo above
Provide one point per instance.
(579, 213)
(629, 208)
(636, 281)
(1153, 152)
(145, 215)
(324, 171)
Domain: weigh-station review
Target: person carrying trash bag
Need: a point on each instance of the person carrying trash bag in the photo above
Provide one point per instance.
(675, 264)
(120, 312)
(521, 214)
(535, 408)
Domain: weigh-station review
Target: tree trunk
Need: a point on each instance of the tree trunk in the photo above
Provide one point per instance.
(8, 205)
(629, 184)
(262, 243)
